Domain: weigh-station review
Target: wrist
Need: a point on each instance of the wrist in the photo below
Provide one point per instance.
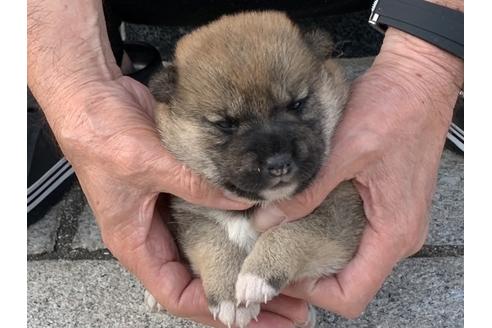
(77, 115)
(413, 50)
(68, 48)
(432, 73)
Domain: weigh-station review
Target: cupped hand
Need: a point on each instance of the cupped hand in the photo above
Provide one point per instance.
(389, 142)
(110, 139)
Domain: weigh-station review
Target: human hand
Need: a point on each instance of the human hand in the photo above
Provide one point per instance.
(122, 167)
(389, 142)
(104, 125)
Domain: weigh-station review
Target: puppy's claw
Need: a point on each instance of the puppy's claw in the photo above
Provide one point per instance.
(253, 289)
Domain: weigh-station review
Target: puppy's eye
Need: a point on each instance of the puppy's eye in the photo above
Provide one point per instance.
(226, 125)
(297, 106)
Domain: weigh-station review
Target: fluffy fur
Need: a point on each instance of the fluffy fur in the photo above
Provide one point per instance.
(251, 103)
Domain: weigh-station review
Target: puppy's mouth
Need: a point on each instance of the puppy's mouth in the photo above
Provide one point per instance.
(277, 190)
(280, 183)
(249, 194)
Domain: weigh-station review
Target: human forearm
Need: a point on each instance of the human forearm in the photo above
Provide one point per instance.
(68, 48)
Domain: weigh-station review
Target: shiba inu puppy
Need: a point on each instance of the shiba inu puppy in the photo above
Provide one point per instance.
(251, 103)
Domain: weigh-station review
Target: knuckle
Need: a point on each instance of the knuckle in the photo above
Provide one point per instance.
(194, 186)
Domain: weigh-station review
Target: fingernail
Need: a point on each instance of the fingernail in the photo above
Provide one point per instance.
(267, 217)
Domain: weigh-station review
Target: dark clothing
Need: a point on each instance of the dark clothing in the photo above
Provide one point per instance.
(186, 12)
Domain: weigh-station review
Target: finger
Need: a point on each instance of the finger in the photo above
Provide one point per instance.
(297, 207)
(150, 253)
(349, 155)
(328, 178)
(268, 319)
(176, 178)
(296, 310)
(348, 292)
(171, 176)
(166, 174)
(283, 311)
(174, 288)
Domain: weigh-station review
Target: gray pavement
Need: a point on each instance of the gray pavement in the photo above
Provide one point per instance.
(73, 281)
(421, 292)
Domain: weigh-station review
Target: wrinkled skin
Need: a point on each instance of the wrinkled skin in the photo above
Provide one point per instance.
(124, 163)
(389, 141)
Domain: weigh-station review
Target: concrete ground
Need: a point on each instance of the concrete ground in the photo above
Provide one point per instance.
(73, 281)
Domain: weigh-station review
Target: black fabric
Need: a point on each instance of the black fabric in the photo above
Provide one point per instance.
(145, 58)
(189, 12)
(155, 12)
(42, 154)
(113, 21)
(459, 120)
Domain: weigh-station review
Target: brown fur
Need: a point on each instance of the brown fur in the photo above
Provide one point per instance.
(250, 67)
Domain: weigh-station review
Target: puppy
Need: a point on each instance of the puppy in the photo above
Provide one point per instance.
(251, 103)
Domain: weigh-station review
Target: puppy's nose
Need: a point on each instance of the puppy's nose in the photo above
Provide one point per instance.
(279, 165)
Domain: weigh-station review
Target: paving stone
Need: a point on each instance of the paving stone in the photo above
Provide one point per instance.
(447, 213)
(88, 235)
(89, 294)
(421, 292)
(41, 236)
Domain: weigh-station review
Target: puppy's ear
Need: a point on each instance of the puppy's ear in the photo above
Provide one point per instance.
(162, 84)
(320, 42)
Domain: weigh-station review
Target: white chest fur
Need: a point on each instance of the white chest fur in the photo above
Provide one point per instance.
(238, 228)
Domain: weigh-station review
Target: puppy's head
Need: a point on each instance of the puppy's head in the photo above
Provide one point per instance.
(251, 103)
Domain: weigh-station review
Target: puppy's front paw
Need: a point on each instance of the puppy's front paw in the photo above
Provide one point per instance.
(230, 314)
(151, 303)
(251, 288)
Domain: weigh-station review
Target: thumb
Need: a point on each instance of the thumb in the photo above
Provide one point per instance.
(350, 154)
(178, 179)
(299, 206)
